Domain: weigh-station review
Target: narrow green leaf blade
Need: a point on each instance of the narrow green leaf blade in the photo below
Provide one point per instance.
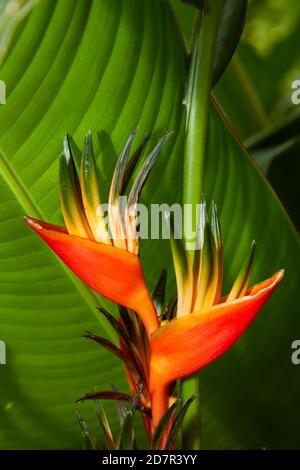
(90, 440)
(126, 437)
(104, 424)
(229, 33)
(163, 424)
(178, 423)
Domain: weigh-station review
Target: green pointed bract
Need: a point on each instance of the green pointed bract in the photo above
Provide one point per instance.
(119, 174)
(70, 194)
(203, 263)
(115, 211)
(144, 172)
(217, 251)
(241, 283)
(140, 180)
(183, 273)
(90, 193)
(209, 259)
(132, 163)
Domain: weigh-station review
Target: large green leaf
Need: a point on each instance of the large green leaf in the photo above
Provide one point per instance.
(254, 403)
(244, 92)
(108, 66)
(78, 64)
(283, 174)
(276, 151)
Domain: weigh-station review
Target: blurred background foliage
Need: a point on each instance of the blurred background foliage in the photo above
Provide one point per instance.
(256, 88)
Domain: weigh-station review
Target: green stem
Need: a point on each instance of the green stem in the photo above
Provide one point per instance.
(197, 108)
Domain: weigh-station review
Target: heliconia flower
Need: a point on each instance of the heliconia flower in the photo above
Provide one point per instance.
(107, 262)
(161, 344)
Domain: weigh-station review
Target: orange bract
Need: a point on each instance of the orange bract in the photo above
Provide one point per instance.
(114, 273)
(187, 344)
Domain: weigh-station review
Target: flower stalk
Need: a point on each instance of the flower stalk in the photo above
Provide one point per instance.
(197, 106)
